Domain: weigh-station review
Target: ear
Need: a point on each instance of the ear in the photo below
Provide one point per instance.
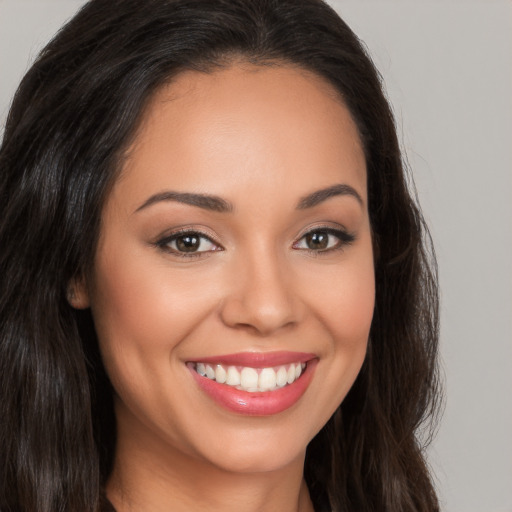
(77, 294)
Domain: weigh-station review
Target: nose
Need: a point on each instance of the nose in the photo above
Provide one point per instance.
(262, 299)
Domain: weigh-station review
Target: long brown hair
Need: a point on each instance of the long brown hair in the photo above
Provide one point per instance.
(71, 118)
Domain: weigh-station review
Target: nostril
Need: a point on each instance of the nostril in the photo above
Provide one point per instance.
(258, 316)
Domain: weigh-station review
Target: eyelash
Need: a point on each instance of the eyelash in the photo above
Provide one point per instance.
(164, 243)
(344, 239)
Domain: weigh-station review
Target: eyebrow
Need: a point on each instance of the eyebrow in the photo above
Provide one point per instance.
(207, 202)
(217, 204)
(322, 195)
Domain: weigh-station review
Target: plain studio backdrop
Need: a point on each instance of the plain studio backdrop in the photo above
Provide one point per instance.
(448, 73)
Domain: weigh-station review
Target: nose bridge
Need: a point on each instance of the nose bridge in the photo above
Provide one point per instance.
(262, 297)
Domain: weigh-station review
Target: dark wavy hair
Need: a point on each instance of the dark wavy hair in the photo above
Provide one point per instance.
(71, 120)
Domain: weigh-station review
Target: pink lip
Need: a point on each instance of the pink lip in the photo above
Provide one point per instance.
(263, 403)
(258, 359)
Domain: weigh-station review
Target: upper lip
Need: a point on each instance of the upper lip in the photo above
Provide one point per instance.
(257, 359)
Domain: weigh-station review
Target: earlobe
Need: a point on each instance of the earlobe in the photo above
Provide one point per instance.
(77, 294)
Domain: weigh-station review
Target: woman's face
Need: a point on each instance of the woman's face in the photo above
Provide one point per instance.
(233, 287)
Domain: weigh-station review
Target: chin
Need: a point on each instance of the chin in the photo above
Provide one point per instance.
(268, 446)
(254, 459)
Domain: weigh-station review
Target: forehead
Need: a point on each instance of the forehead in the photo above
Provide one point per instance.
(245, 125)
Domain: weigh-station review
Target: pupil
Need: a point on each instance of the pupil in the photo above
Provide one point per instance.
(188, 243)
(317, 240)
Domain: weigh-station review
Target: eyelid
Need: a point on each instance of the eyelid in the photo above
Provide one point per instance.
(325, 226)
(163, 241)
(344, 236)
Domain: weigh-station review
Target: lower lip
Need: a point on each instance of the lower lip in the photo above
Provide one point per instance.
(263, 403)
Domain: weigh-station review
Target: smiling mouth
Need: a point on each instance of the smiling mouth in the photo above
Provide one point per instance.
(246, 378)
(255, 384)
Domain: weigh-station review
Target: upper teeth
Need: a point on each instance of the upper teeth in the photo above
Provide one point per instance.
(251, 379)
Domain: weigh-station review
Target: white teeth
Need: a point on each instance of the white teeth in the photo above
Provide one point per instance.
(249, 378)
(267, 379)
(233, 377)
(291, 374)
(252, 379)
(201, 369)
(282, 377)
(220, 374)
(210, 372)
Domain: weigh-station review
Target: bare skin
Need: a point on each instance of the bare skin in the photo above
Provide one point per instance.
(281, 260)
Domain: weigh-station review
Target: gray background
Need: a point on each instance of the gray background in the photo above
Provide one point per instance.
(448, 72)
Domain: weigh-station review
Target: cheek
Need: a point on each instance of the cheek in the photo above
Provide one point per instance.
(355, 308)
(350, 324)
(344, 301)
(142, 311)
(344, 308)
(141, 314)
(136, 303)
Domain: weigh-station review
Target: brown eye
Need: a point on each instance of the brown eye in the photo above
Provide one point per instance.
(324, 240)
(317, 241)
(188, 243)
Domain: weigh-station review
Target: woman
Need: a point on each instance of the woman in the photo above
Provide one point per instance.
(217, 290)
